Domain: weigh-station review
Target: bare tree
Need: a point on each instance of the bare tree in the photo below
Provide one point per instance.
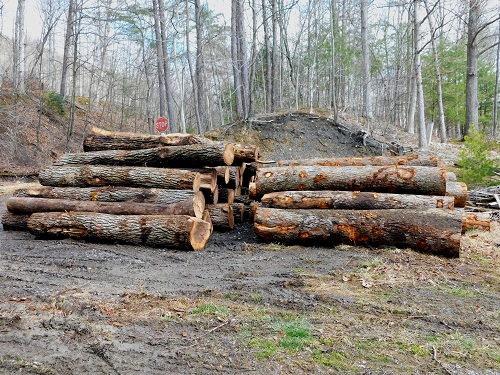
(19, 48)
(67, 46)
(159, 59)
(422, 133)
(365, 48)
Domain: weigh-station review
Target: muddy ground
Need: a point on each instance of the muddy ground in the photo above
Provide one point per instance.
(240, 306)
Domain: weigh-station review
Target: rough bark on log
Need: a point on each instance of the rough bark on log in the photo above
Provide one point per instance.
(457, 190)
(222, 216)
(226, 195)
(223, 174)
(189, 156)
(353, 200)
(100, 175)
(233, 181)
(192, 206)
(12, 221)
(108, 194)
(238, 211)
(432, 230)
(172, 231)
(211, 197)
(245, 153)
(414, 160)
(383, 179)
(100, 139)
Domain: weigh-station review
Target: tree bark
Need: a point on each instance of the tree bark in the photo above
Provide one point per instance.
(433, 231)
(238, 211)
(383, 179)
(413, 160)
(245, 153)
(109, 194)
(100, 139)
(226, 195)
(98, 175)
(12, 221)
(222, 216)
(172, 231)
(188, 156)
(353, 200)
(193, 206)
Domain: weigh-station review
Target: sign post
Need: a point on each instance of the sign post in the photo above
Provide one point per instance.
(161, 124)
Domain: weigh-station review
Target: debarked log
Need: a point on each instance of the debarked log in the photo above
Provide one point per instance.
(354, 200)
(192, 206)
(222, 216)
(100, 139)
(171, 231)
(384, 179)
(108, 194)
(102, 175)
(189, 156)
(414, 160)
(433, 230)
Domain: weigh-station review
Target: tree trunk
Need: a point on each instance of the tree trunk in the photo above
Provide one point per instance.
(433, 231)
(353, 200)
(222, 216)
(173, 231)
(19, 49)
(413, 160)
(193, 206)
(109, 194)
(159, 60)
(67, 45)
(98, 175)
(100, 139)
(422, 136)
(471, 86)
(365, 47)
(384, 179)
(188, 156)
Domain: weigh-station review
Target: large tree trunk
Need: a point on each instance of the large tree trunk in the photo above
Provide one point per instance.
(100, 139)
(173, 231)
(433, 231)
(193, 206)
(109, 194)
(413, 160)
(384, 179)
(189, 156)
(98, 175)
(353, 200)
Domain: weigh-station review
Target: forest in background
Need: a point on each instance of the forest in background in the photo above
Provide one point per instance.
(426, 66)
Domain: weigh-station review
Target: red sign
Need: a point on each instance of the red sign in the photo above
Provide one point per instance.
(161, 124)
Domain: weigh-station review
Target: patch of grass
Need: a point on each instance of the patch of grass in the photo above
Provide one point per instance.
(333, 359)
(209, 309)
(459, 291)
(257, 298)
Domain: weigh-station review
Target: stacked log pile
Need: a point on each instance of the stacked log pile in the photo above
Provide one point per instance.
(374, 201)
(170, 191)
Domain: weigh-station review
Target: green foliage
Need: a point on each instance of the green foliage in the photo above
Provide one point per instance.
(209, 309)
(55, 102)
(475, 162)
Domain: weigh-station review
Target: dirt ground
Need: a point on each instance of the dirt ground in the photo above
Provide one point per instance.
(240, 306)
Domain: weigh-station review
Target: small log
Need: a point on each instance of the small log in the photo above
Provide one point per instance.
(223, 174)
(476, 221)
(353, 200)
(100, 175)
(226, 195)
(211, 197)
(172, 231)
(192, 206)
(206, 179)
(383, 179)
(457, 190)
(12, 221)
(434, 231)
(100, 139)
(233, 181)
(222, 216)
(239, 212)
(245, 153)
(189, 156)
(109, 194)
(414, 160)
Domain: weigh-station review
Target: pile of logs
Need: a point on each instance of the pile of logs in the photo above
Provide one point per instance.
(373, 201)
(170, 190)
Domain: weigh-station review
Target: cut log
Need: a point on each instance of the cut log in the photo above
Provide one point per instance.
(245, 153)
(189, 156)
(211, 197)
(233, 181)
(353, 200)
(414, 160)
(12, 221)
(222, 216)
(239, 212)
(383, 179)
(100, 175)
(172, 231)
(226, 195)
(457, 190)
(100, 139)
(206, 179)
(223, 174)
(192, 206)
(432, 230)
(109, 194)
(476, 221)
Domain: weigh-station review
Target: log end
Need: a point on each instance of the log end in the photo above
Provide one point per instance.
(229, 154)
(199, 204)
(200, 233)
